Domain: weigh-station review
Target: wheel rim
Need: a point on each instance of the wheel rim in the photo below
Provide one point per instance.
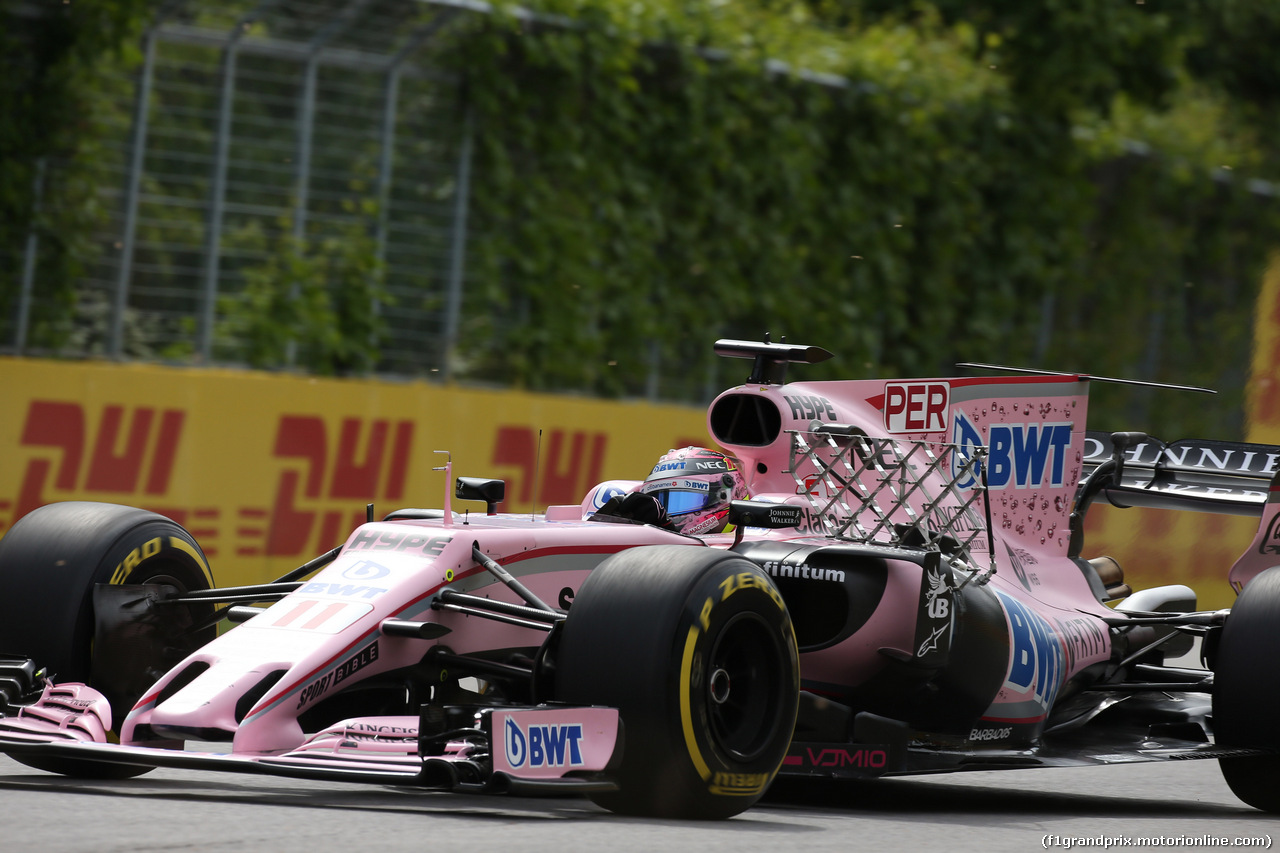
(745, 686)
(124, 672)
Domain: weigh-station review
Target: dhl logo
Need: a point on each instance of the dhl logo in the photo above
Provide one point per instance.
(329, 473)
(572, 464)
(127, 450)
(324, 473)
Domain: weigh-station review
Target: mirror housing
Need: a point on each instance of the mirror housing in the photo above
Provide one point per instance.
(492, 492)
(764, 514)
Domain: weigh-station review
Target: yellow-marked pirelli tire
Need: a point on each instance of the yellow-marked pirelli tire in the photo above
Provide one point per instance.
(52, 559)
(695, 647)
(1246, 691)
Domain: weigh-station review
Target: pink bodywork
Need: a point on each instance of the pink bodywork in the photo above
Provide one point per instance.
(63, 713)
(1034, 429)
(303, 648)
(547, 744)
(1264, 551)
(328, 631)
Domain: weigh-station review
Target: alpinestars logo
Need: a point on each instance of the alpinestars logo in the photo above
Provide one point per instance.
(1027, 456)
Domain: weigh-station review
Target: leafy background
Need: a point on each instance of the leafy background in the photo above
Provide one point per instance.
(1070, 185)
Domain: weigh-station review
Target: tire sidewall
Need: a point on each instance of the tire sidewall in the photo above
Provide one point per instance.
(51, 560)
(1246, 693)
(641, 636)
(725, 596)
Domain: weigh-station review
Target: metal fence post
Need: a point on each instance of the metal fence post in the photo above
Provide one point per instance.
(386, 162)
(306, 123)
(307, 107)
(29, 260)
(390, 110)
(218, 184)
(391, 97)
(217, 198)
(386, 156)
(141, 114)
(458, 250)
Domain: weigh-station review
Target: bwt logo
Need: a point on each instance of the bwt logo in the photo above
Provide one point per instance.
(365, 570)
(1036, 656)
(552, 745)
(602, 495)
(1026, 455)
(916, 406)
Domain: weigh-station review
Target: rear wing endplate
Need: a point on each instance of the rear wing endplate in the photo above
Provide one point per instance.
(1133, 469)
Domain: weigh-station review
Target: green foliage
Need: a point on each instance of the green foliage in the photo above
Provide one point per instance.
(1235, 49)
(52, 86)
(1062, 55)
(946, 180)
(635, 197)
(313, 304)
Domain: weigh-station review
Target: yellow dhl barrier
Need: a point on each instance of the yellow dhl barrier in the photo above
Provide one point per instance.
(267, 471)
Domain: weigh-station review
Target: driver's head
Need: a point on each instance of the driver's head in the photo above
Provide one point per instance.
(695, 485)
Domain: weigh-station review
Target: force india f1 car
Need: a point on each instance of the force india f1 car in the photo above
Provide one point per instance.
(906, 591)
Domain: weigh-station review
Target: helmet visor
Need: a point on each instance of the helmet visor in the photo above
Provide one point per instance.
(679, 501)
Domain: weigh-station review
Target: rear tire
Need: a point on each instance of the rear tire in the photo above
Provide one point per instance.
(1246, 692)
(696, 649)
(50, 562)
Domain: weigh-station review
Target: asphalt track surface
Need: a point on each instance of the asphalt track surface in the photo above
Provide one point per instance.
(989, 811)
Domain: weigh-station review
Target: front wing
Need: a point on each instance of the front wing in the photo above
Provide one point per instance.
(536, 750)
(545, 750)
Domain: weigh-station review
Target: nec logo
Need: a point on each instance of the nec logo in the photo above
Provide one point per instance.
(554, 745)
(916, 406)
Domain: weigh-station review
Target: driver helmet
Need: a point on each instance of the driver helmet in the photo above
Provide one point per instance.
(695, 485)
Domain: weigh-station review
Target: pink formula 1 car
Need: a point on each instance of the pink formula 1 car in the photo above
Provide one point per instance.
(905, 590)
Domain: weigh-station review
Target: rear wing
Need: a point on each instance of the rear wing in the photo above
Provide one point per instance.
(1228, 477)
(1132, 469)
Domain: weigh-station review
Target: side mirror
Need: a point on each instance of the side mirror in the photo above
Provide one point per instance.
(746, 514)
(491, 492)
(763, 514)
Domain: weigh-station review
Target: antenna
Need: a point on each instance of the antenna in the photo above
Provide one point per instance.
(1086, 377)
(447, 468)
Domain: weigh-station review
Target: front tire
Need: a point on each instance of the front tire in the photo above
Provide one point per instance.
(1246, 692)
(52, 559)
(696, 649)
